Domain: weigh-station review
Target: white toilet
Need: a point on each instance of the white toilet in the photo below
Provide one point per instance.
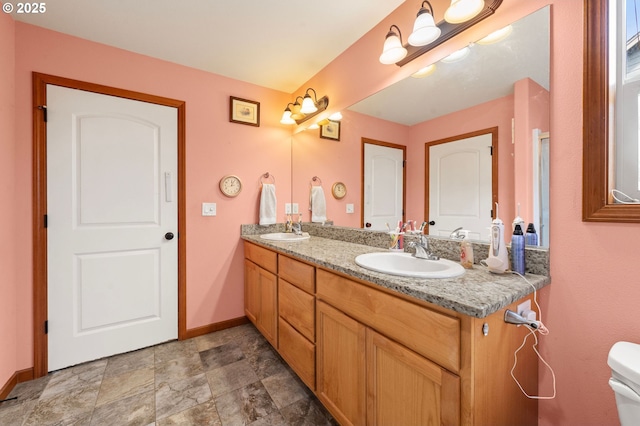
(624, 360)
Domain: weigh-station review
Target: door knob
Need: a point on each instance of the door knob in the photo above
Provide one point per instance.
(168, 236)
(432, 222)
(367, 225)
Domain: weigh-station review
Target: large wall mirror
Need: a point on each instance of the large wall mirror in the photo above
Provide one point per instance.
(611, 177)
(504, 84)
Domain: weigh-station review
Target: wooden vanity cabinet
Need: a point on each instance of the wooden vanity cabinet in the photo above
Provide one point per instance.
(376, 357)
(261, 290)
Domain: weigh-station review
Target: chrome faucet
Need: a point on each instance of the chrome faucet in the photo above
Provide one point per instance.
(297, 228)
(456, 234)
(422, 249)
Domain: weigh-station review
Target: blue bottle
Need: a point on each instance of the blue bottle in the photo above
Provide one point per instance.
(531, 237)
(517, 251)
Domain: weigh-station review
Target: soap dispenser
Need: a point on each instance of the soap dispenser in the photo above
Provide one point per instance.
(466, 251)
(498, 260)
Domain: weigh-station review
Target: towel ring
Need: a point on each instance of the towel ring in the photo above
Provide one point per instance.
(267, 176)
(315, 179)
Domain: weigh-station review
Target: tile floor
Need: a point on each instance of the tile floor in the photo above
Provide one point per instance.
(230, 377)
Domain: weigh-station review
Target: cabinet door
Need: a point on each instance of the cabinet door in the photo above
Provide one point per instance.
(251, 291)
(261, 300)
(341, 372)
(403, 388)
(268, 319)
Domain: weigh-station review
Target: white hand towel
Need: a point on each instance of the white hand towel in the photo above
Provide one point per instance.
(268, 204)
(318, 205)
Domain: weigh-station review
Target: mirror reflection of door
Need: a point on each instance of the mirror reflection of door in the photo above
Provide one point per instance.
(461, 183)
(383, 187)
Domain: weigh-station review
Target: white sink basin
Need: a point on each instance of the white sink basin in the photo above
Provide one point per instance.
(404, 264)
(285, 236)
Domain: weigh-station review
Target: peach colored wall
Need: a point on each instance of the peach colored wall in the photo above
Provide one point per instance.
(214, 147)
(340, 161)
(496, 113)
(8, 213)
(531, 106)
(593, 297)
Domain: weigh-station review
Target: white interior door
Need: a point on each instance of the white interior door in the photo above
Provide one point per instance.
(111, 198)
(460, 186)
(383, 186)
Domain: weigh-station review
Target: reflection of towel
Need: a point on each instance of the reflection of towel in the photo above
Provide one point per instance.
(318, 205)
(268, 204)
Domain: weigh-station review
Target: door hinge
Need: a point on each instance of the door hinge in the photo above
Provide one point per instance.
(44, 112)
(46, 221)
(46, 327)
(491, 150)
(404, 163)
(491, 212)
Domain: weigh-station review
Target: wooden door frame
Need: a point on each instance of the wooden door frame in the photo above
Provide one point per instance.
(404, 174)
(39, 199)
(493, 131)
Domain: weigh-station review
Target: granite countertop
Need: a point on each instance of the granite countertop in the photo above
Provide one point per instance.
(477, 293)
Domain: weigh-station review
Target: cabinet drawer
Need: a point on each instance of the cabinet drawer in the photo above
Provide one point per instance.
(429, 333)
(297, 308)
(298, 352)
(262, 257)
(297, 273)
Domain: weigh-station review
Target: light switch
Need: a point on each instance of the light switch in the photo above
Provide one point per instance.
(208, 209)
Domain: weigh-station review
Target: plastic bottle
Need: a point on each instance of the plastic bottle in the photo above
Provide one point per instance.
(531, 237)
(517, 251)
(466, 251)
(517, 220)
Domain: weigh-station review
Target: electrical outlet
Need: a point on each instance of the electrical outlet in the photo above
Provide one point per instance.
(208, 209)
(287, 208)
(350, 208)
(524, 306)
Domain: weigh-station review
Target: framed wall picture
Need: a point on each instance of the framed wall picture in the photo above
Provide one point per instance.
(244, 111)
(330, 130)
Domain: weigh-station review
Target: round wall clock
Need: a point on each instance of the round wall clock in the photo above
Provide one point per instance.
(230, 185)
(339, 190)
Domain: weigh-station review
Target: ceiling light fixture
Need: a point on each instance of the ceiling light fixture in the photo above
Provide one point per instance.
(423, 72)
(463, 10)
(299, 112)
(461, 15)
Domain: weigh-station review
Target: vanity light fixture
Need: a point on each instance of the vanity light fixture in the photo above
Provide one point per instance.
(457, 55)
(461, 15)
(300, 112)
(423, 72)
(463, 10)
(425, 30)
(496, 36)
(393, 50)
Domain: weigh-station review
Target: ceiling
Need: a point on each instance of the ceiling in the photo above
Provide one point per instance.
(271, 43)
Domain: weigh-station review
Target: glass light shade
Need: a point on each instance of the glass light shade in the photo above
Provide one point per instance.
(423, 72)
(295, 112)
(425, 30)
(308, 106)
(336, 116)
(392, 51)
(286, 117)
(462, 10)
(457, 55)
(496, 36)
(314, 126)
